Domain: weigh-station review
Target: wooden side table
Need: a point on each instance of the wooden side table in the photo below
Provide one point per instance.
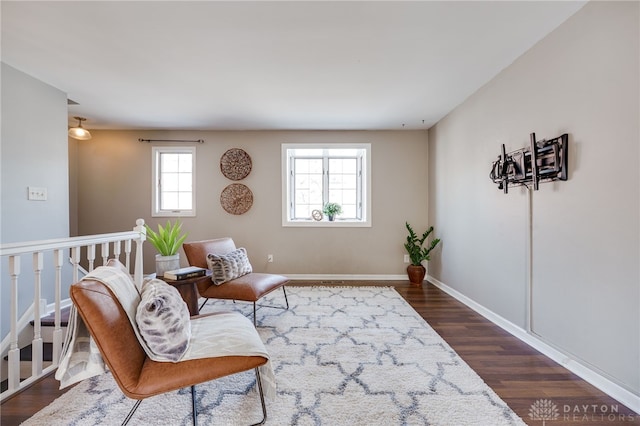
(188, 289)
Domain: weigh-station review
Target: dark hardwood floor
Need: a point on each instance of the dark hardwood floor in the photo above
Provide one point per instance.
(520, 375)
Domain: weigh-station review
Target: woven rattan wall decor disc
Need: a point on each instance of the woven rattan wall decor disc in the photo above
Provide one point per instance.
(235, 164)
(236, 198)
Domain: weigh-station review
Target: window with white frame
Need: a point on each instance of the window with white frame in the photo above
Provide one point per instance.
(174, 174)
(313, 175)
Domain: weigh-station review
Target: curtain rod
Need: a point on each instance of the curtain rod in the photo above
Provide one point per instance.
(170, 140)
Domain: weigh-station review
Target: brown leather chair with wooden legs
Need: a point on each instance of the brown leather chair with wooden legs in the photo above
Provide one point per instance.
(249, 288)
(138, 376)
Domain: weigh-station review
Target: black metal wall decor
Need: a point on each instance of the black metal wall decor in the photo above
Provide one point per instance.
(542, 161)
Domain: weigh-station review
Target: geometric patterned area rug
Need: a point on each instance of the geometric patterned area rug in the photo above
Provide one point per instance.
(341, 356)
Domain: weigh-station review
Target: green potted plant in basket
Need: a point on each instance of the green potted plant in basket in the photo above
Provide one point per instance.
(332, 210)
(418, 254)
(167, 241)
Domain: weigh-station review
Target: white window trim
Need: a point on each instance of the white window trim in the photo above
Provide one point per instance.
(155, 211)
(338, 223)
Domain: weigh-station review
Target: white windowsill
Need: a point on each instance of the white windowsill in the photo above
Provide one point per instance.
(326, 224)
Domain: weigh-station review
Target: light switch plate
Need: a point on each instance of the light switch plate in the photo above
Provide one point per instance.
(37, 193)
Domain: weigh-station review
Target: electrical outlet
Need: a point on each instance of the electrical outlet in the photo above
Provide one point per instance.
(406, 258)
(37, 193)
(270, 258)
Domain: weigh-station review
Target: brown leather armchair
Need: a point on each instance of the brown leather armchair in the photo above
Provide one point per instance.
(248, 288)
(138, 376)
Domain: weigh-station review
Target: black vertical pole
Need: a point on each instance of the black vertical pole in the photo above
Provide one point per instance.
(534, 161)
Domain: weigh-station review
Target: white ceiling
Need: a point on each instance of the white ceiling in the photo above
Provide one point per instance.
(270, 65)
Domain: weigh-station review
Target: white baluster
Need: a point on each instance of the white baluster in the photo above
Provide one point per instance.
(75, 261)
(105, 253)
(91, 255)
(116, 249)
(137, 278)
(36, 343)
(127, 255)
(58, 260)
(14, 350)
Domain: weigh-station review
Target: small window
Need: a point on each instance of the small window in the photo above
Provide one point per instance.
(314, 175)
(174, 172)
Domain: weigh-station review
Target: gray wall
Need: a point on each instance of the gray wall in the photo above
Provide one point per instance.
(583, 80)
(34, 153)
(114, 188)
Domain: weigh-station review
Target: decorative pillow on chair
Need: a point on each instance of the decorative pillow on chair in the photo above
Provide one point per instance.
(227, 267)
(163, 320)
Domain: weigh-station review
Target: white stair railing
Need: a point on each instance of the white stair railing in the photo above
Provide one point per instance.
(54, 276)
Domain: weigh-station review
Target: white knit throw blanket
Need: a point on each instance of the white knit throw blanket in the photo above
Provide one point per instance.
(225, 334)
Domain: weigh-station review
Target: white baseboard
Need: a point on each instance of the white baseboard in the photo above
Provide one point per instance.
(51, 307)
(338, 277)
(591, 376)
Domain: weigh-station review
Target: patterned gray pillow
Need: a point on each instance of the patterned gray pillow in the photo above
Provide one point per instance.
(164, 320)
(227, 267)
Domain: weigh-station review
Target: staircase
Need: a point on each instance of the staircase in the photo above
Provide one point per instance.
(47, 323)
(39, 270)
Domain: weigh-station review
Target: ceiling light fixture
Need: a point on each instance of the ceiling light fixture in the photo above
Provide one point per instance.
(79, 132)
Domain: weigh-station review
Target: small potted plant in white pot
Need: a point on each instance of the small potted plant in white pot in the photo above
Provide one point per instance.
(167, 241)
(418, 254)
(332, 210)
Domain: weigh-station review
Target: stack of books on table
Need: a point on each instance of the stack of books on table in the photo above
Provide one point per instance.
(185, 273)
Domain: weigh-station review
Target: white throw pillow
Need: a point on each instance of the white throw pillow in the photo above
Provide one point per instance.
(163, 320)
(227, 267)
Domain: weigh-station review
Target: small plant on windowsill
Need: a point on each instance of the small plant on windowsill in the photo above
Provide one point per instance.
(332, 210)
(167, 241)
(418, 253)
